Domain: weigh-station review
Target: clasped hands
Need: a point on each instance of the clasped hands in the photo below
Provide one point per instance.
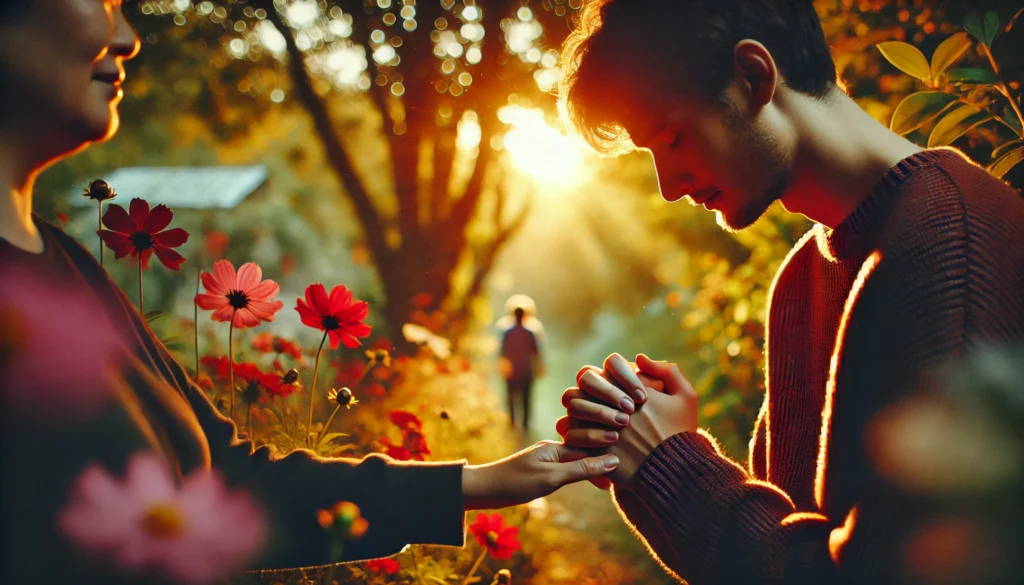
(627, 413)
(615, 418)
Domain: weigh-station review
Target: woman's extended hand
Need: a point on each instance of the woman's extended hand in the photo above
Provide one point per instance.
(529, 474)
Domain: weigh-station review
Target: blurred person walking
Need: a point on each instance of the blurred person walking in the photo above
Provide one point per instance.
(520, 361)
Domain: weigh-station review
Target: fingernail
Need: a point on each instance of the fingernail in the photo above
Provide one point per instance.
(611, 461)
(611, 436)
(626, 404)
(640, 395)
(622, 418)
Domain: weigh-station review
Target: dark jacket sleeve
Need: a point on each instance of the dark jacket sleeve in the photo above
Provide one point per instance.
(404, 503)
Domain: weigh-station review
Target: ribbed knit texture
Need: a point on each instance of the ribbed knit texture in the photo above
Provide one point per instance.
(929, 265)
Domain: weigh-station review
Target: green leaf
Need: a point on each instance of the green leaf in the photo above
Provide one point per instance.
(991, 27)
(1006, 147)
(957, 123)
(1006, 162)
(917, 109)
(174, 343)
(982, 28)
(1011, 118)
(973, 75)
(907, 58)
(153, 316)
(274, 412)
(330, 437)
(948, 52)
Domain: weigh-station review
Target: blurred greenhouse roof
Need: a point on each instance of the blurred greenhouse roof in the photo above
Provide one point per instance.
(183, 187)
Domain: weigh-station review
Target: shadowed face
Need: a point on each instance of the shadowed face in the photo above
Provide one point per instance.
(717, 154)
(61, 63)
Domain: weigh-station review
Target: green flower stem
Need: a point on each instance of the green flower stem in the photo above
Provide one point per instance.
(100, 205)
(195, 305)
(1003, 87)
(330, 419)
(231, 366)
(142, 309)
(312, 389)
(359, 383)
(337, 549)
(476, 566)
(284, 417)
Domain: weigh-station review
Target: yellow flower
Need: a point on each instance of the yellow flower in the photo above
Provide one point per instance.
(342, 397)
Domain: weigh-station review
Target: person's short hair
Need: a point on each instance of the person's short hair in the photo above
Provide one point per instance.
(519, 313)
(622, 48)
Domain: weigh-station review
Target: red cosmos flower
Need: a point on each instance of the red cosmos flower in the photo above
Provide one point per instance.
(215, 243)
(396, 452)
(267, 342)
(276, 385)
(406, 420)
(243, 294)
(348, 373)
(414, 444)
(218, 368)
(141, 231)
(500, 540)
(339, 314)
(386, 566)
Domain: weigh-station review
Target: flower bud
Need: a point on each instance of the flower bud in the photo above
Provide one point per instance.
(99, 190)
(502, 577)
(291, 376)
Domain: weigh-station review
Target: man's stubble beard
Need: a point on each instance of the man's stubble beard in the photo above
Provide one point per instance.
(776, 180)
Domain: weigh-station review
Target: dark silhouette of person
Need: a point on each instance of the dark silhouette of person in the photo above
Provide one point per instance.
(520, 364)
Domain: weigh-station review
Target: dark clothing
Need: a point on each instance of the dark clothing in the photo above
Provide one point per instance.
(930, 265)
(163, 411)
(519, 400)
(519, 347)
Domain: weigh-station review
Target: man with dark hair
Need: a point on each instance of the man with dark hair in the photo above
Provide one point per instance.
(916, 257)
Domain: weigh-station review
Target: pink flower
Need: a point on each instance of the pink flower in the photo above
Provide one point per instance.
(57, 346)
(339, 315)
(195, 533)
(243, 294)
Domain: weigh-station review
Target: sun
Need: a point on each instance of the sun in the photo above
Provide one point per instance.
(540, 151)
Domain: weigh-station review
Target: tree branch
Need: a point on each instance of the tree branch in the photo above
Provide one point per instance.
(490, 254)
(336, 154)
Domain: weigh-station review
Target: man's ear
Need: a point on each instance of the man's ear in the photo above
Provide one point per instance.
(755, 73)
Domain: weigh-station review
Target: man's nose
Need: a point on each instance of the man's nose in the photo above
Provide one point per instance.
(672, 185)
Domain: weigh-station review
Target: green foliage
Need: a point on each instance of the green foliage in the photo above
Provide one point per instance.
(917, 109)
(962, 100)
(983, 28)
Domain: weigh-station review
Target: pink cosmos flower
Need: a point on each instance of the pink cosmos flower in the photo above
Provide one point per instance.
(243, 294)
(195, 533)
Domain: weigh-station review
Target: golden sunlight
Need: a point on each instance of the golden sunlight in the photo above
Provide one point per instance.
(540, 151)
